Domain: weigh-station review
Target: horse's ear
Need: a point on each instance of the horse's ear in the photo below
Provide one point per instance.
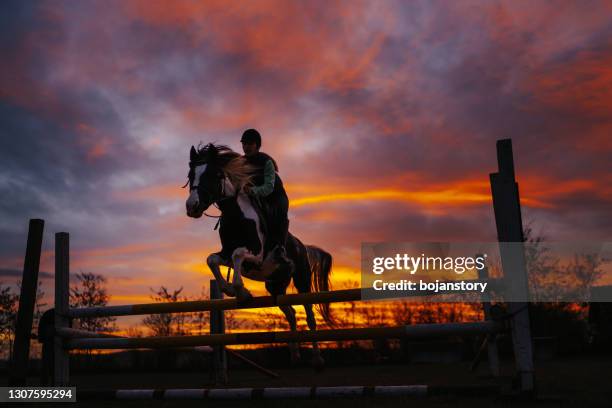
(212, 149)
(193, 155)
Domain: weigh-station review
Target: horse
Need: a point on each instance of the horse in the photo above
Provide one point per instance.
(218, 175)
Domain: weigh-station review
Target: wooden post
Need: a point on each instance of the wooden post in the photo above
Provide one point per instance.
(27, 301)
(506, 204)
(217, 326)
(46, 330)
(491, 339)
(62, 287)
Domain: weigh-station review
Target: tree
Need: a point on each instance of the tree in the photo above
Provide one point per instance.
(166, 324)
(552, 280)
(543, 270)
(90, 291)
(134, 331)
(586, 270)
(200, 321)
(8, 317)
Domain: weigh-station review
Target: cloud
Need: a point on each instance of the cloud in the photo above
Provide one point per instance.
(383, 119)
(14, 273)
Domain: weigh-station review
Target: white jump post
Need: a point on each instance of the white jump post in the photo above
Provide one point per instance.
(62, 321)
(507, 208)
(491, 339)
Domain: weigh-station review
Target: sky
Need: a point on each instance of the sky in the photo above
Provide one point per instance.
(382, 117)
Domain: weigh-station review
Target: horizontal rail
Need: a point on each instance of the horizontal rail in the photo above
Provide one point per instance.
(69, 333)
(289, 392)
(345, 295)
(417, 331)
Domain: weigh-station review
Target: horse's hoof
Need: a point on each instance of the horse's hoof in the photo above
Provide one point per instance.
(242, 294)
(318, 363)
(228, 290)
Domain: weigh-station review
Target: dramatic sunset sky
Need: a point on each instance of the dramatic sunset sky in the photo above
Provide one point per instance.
(382, 116)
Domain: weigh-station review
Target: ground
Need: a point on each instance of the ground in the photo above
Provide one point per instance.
(569, 382)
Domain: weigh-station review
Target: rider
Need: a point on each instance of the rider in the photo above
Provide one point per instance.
(268, 189)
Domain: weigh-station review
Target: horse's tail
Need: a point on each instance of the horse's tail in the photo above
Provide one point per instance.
(320, 266)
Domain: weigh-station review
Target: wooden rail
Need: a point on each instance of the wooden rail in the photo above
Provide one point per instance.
(418, 331)
(345, 295)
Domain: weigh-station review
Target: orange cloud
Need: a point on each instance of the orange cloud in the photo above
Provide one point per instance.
(422, 197)
(547, 190)
(460, 193)
(117, 299)
(536, 192)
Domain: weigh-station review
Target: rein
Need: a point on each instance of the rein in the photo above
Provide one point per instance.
(215, 203)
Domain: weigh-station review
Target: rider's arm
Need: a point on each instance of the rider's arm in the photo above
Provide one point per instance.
(268, 185)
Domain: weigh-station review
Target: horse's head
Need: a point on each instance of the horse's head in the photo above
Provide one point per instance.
(206, 180)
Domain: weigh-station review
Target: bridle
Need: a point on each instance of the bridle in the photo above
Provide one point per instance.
(193, 165)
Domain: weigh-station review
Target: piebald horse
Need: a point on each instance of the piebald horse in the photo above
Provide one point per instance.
(217, 175)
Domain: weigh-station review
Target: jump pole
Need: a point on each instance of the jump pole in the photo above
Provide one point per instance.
(289, 392)
(369, 333)
(490, 340)
(345, 295)
(217, 327)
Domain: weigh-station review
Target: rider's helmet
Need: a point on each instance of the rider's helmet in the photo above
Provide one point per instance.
(251, 135)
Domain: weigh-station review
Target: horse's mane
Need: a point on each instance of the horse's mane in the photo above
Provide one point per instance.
(233, 164)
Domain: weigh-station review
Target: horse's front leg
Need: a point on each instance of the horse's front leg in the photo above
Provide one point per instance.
(238, 257)
(214, 261)
(317, 360)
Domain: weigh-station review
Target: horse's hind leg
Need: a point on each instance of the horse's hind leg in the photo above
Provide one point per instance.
(294, 348)
(276, 284)
(317, 361)
(302, 279)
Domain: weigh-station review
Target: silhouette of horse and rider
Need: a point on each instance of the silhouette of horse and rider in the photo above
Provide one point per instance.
(254, 228)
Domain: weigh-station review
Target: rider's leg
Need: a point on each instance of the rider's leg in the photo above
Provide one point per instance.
(282, 228)
(278, 225)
